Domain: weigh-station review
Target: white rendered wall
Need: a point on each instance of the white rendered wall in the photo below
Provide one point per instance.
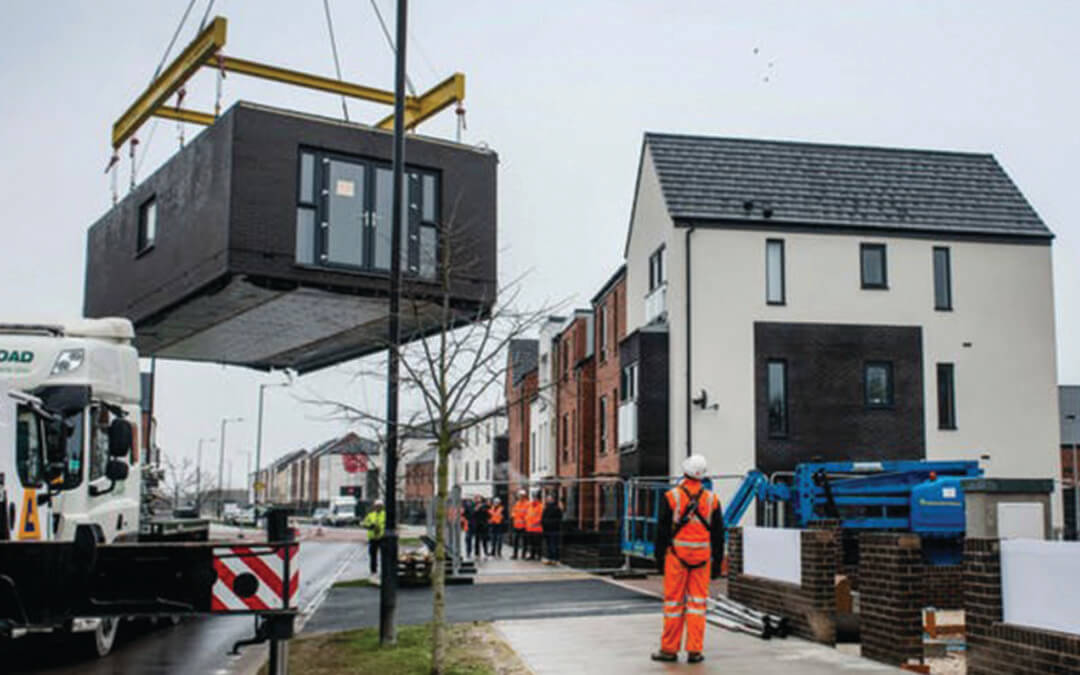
(773, 553)
(1038, 584)
(1006, 382)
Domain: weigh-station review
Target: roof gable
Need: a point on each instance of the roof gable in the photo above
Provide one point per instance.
(777, 183)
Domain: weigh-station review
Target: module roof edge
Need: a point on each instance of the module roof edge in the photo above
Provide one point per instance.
(262, 107)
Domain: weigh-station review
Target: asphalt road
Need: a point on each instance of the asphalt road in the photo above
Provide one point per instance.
(195, 646)
(350, 608)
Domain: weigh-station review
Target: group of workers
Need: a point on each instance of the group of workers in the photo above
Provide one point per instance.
(536, 527)
(484, 525)
(537, 524)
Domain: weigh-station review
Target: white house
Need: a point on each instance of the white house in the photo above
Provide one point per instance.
(345, 466)
(472, 463)
(542, 407)
(840, 302)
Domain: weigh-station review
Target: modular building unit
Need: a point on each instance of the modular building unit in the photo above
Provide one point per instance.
(265, 242)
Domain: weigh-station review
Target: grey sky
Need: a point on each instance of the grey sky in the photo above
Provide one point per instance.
(563, 91)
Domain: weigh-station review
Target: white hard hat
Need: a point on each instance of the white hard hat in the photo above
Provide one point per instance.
(522, 492)
(695, 467)
(497, 500)
(378, 502)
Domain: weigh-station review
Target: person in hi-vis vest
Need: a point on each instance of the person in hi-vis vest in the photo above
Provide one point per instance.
(689, 551)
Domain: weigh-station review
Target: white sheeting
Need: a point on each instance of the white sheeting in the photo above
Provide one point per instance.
(1038, 584)
(773, 553)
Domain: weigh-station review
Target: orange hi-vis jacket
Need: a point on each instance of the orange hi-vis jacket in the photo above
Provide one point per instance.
(520, 514)
(691, 536)
(534, 518)
(496, 517)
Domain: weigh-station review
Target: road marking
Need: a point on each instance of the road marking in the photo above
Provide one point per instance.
(316, 601)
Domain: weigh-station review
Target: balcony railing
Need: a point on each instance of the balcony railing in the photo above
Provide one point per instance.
(627, 423)
(656, 304)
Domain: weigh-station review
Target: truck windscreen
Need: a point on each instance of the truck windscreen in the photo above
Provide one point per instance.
(29, 457)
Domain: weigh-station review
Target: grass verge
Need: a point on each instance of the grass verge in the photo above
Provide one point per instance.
(475, 649)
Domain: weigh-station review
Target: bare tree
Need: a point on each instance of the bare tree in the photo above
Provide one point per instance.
(182, 480)
(454, 369)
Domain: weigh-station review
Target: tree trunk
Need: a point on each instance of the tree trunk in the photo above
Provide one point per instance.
(438, 571)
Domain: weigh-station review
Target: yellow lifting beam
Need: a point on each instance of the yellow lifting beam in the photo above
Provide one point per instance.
(208, 42)
(204, 52)
(446, 93)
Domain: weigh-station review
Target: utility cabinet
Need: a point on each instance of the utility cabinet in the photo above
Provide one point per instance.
(265, 242)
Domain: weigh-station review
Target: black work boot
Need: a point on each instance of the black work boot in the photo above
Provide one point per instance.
(695, 657)
(664, 656)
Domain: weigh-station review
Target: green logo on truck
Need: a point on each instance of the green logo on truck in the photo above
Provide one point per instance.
(14, 356)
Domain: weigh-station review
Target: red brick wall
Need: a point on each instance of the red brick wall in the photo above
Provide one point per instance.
(518, 427)
(613, 305)
(420, 480)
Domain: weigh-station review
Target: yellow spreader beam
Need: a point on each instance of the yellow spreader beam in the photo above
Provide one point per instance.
(204, 52)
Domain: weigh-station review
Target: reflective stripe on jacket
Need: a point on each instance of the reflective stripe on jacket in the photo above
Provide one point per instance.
(496, 515)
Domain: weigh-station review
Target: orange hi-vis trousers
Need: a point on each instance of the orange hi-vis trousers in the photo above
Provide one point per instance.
(686, 593)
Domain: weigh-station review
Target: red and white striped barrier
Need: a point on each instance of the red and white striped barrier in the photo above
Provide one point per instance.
(253, 578)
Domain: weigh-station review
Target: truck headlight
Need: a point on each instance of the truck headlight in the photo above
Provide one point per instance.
(68, 361)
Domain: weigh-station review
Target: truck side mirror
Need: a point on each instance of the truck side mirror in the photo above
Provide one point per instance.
(116, 470)
(120, 438)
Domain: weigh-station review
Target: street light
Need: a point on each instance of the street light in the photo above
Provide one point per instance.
(1076, 483)
(198, 474)
(221, 464)
(258, 434)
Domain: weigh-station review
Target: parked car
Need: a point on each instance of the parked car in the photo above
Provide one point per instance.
(321, 516)
(246, 517)
(188, 510)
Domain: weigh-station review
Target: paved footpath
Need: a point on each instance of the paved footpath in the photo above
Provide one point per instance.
(622, 644)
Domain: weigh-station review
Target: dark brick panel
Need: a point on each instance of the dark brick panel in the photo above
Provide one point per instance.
(827, 417)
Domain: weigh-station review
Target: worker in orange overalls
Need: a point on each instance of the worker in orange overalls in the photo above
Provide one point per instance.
(519, 515)
(498, 527)
(689, 551)
(534, 528)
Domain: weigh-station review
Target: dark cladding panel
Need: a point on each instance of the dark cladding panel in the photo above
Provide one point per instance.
(221, 281)
(191, 197)
(828, 415)
(648, 348)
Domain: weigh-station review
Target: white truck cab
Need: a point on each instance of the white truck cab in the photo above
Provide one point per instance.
(69, 424)
(86, 374)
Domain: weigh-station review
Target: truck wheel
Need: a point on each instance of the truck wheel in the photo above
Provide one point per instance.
(100, 641)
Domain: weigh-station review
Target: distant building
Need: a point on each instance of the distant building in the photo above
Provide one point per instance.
(542, 420)
(420, 476)
(1069, 403)
(520, 388)
(344, 466)
(472, 463)
(575, 379)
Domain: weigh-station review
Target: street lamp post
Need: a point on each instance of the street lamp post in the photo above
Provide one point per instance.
(258, 436)
(221, 464)
(198, 474)
(1075, 479)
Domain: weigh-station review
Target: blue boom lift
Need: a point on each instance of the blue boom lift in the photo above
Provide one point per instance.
(923, 497)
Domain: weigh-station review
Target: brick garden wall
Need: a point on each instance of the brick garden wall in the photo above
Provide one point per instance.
(809, 606)
(890, 617)
(997, 647)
